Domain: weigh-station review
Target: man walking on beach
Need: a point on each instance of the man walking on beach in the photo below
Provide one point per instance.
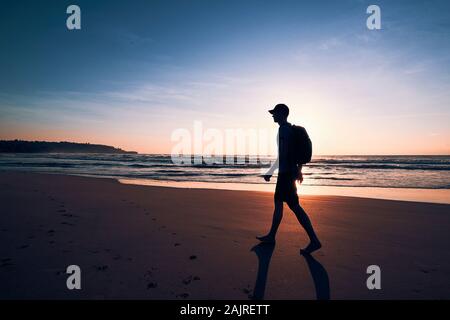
(286, 189)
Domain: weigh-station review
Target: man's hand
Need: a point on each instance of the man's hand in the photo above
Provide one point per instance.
(267, 177)
(300, 175)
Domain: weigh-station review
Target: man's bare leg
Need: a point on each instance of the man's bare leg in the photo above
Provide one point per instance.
(303, 218)
(276, 220)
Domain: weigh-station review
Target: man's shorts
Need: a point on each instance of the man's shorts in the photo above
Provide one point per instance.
(286, 189)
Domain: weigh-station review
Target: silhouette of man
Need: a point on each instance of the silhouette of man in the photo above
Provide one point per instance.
(286, 189)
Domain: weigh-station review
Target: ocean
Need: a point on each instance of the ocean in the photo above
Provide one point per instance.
(419, 172)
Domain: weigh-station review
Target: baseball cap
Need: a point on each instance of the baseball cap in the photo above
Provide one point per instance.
(280, 108)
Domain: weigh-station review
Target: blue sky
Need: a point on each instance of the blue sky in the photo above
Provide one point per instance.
(138, 70)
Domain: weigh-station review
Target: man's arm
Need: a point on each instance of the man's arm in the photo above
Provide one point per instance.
(275, 165)
(299, 173)
(271, 170)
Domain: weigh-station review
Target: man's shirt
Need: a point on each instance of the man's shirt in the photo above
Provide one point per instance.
(285, 162)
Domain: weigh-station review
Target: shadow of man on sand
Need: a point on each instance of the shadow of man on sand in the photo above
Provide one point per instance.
(319, 274)
(320, 277)
(264, 253)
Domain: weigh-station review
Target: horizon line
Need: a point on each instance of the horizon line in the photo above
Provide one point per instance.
(224, 155)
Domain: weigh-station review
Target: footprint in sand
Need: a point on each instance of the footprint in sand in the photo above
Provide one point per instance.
(425, 268)
(189, 279)
(182, 295)
(68, 215)
(148, 274)
(151, 285)
(24, 246)
(101, 268)
(193, 257)
(6, 262)
(177, 244)
(248, 292)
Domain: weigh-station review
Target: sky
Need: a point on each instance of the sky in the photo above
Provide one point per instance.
(137, 71)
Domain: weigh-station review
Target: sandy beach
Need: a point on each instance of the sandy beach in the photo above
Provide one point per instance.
(149, 242)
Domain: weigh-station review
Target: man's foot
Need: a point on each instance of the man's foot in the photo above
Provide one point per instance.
(313, 246)
(266, 239)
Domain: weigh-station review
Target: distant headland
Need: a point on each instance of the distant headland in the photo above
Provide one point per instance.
(20, 146)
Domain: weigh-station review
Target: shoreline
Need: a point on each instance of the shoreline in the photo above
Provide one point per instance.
(413, 178)
(420, 195)
(440, 196)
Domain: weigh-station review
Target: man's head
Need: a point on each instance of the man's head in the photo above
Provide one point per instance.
(280, 113)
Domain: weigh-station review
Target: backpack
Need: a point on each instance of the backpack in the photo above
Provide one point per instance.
(302, 145)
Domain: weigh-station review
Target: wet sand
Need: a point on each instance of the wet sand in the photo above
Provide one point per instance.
(169, 243)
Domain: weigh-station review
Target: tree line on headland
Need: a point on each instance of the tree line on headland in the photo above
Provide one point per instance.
(20, 146)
